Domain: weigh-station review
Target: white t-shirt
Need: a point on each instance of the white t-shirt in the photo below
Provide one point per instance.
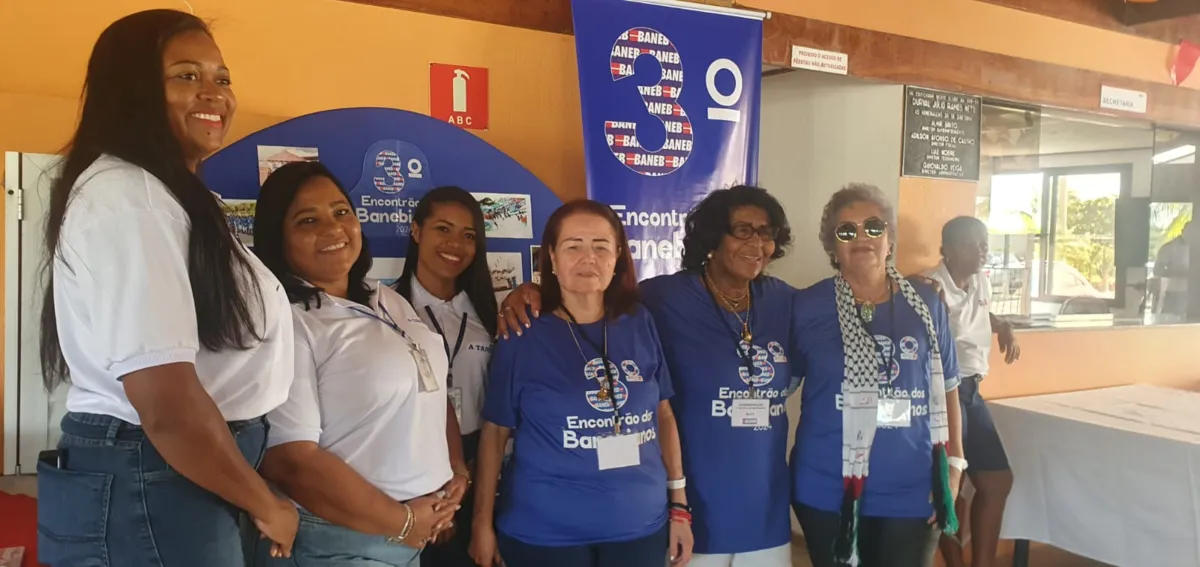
(123, 301)
(469, 368)
(970, 319)
(356, 393)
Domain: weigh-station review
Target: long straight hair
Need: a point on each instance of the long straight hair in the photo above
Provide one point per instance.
(278, 192)
(124, 115)
(476, 280)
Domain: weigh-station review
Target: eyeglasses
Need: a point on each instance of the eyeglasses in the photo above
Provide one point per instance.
(743, 231)
(873, 228)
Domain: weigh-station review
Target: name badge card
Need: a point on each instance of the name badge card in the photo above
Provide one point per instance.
(894, 413)
(750, 413)
(618, 451)
(456, 401)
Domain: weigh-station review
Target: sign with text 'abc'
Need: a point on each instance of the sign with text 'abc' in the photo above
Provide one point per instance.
(670, 101)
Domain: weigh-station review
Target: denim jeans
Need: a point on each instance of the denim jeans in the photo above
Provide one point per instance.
(322, 544)
(115, 502)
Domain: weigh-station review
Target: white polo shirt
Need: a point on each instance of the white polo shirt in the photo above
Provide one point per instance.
(356, 393)
(970, 321)
(123, 301)
(469, 368)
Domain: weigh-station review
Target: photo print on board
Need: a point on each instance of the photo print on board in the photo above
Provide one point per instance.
(386, 270)
(535, 264)
(239, 213)
(505, 215)
(506, 273)
(271, 158)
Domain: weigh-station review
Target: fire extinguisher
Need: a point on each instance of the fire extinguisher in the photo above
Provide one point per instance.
(460, 90)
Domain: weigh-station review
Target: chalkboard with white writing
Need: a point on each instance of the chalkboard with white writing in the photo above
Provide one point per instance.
(941, 135)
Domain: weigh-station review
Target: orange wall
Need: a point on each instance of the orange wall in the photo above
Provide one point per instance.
(924, 206)
(294, 57)
(995, 29)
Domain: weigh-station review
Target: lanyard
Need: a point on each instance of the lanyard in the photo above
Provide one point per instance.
(427, 380)
(886, 361)
(462, 331)
(745, 351)
(608, 386)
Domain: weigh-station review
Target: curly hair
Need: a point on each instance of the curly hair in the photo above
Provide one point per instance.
(849, 195)
(708, 222)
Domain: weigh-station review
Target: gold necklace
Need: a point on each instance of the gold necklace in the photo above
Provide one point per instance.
(734, 302)
(729, 304)
(867, 308)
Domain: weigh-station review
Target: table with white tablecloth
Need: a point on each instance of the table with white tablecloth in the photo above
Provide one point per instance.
(1110, 474)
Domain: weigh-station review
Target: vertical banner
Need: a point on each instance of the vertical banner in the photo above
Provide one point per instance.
(670, 101)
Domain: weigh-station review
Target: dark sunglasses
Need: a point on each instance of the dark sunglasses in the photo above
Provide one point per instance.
(873, 228)
(742, 231)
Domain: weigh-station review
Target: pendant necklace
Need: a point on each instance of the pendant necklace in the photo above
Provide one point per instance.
(866, 309)
(733, 306)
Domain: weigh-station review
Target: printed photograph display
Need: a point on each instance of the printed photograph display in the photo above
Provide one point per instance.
(386, 270)
(506, 273)
(271, 158)
(535, 265)
(506, 215)
(239, 213)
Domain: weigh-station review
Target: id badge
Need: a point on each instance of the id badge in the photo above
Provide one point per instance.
(456, 401)
(428, 381)
(618, 451)
(894, 413)
(750, 413)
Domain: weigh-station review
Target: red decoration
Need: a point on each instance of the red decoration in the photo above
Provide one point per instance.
(1185, 61)
(459, 95)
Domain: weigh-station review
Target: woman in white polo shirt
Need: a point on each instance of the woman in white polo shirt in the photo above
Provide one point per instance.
(362, 442)
(447, 280)
(175, 338)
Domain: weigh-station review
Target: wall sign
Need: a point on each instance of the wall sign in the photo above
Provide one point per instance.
(941, 135)
(820, 60)
(459, 95)
(1127, 100)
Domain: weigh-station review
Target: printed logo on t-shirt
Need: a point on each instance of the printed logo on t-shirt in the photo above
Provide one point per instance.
(908, 348)
(631, 370)
(888, 350)
(601, 399)
(777, 354)
(762, 372)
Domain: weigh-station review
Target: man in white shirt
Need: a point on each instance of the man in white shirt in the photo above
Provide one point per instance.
(1171, 268)
(967, 294)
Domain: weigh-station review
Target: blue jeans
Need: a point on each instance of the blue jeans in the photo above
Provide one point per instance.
(322, 544)
(114, 502)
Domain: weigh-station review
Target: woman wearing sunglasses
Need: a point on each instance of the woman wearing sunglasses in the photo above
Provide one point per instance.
(725, 343)
(878, 454)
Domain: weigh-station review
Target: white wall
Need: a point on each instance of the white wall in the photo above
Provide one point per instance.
(820, 132)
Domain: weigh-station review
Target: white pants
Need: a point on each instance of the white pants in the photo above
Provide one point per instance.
(774, 557)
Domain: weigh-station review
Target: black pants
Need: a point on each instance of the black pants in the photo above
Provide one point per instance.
(882, 542)
(456, 552)
(650, 551)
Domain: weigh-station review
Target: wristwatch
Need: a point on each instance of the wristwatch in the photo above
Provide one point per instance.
(958, 463)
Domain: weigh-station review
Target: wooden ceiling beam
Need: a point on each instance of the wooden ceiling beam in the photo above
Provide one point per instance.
(552, 16)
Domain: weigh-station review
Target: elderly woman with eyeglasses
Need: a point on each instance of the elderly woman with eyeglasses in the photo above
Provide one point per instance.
(878, 454)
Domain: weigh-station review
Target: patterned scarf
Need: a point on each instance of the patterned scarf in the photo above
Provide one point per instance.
(860, 393)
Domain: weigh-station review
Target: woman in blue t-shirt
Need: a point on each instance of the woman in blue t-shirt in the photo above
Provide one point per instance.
(726, 344)
(879, 397)
(584, 394)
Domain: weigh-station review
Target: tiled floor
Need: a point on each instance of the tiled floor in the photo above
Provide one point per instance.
(1040, 557)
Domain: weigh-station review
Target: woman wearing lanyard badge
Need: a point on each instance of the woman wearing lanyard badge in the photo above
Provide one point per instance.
(363, 443)
(585, 391)
(878, 455)
(447, 280)
(725, 332)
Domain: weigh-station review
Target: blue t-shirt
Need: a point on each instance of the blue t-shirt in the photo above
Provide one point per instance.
(541, 387)
(899, 479)
(737, 477)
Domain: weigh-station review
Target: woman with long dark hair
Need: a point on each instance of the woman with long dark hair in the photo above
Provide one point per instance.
(446, 278)
(175, 339)
(365, 443)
